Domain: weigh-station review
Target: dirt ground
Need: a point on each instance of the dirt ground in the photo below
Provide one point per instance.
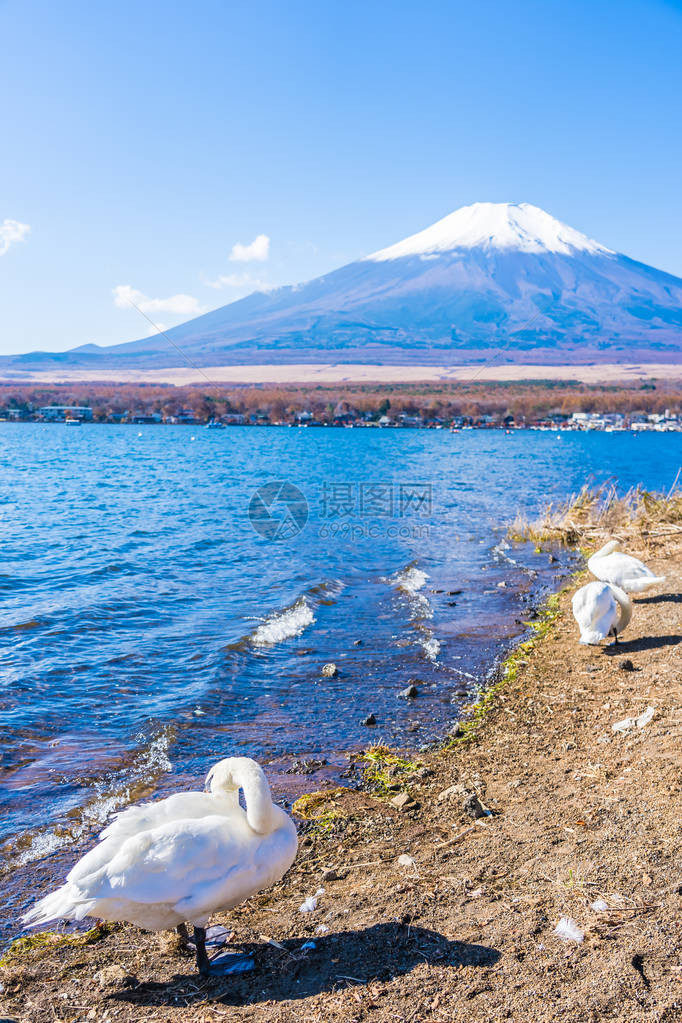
(464, 930)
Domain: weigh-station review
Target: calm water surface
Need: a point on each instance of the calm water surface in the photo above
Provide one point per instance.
(147, 628)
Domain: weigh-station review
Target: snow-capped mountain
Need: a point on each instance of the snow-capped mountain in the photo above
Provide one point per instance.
(493, 276)
(494, 225)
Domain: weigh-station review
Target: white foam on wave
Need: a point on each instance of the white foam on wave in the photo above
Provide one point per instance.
(44, 843)
(152, 762)
(430, 645)
(410, 581)
(284, 625)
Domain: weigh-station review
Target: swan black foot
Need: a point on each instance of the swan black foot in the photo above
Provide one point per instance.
(221, 965)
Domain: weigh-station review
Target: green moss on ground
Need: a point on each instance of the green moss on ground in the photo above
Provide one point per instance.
(386, 772)
(50, 940)
(468, 730)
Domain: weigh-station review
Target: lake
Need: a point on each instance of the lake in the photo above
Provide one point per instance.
(170, 595)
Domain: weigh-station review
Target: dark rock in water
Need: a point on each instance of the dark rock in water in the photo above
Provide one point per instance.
(329, 670)
(369, 720)
(303, 651)
(357, 642)
(552, 559)
(453, 593)
(410, 692)
(413, 726)
(626, 664)
(306, 766)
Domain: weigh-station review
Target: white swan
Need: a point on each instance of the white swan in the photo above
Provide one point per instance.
(612, 566)
(182, 858)
(601, 610)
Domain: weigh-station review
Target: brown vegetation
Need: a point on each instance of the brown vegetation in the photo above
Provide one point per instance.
(600, 513)
(529, 400)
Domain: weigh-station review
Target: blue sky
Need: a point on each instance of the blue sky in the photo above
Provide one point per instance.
(143, 142)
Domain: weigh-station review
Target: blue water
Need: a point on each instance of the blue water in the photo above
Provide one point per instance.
(147, 628)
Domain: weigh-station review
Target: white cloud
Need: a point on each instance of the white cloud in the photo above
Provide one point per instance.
(257, 252)
(175, 305)
(12, 231)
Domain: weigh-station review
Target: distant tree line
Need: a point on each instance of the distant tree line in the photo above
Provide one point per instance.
(520, 399)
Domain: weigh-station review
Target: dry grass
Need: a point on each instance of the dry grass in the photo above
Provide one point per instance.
(599, 512)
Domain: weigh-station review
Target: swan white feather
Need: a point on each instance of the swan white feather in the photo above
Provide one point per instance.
(182, 858)
(601, 610)
(611, 565)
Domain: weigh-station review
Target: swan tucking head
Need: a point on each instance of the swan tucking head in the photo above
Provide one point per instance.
(233, 774)
(221, 778)
(228, 776)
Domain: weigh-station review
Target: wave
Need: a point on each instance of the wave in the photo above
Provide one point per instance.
(33, 623)
(36, 845)
(430, 645)
(282, 625)
(410, 581)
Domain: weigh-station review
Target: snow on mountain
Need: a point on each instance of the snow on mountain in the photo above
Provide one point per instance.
(493, 225)
(490, 280)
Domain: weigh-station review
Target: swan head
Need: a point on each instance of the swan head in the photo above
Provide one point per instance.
(235, 773)
(609, 548)
(228, 776)
(223, 777)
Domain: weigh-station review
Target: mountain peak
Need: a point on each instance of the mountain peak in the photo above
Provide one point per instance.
(494, 225)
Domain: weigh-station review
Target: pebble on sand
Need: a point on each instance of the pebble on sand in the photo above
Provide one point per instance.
(404, 801)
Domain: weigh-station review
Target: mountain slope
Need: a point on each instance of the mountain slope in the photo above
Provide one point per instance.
(507, 277)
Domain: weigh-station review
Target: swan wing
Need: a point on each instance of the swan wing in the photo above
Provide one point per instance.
(181, 806)
(138, 820)
(166, 865)
(267, 861)
(623, 570)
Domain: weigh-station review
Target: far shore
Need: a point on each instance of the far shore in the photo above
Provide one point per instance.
(329, 373)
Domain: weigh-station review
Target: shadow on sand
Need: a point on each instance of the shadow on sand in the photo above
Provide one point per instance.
(379, 953)
(631, 646)
(661, 598)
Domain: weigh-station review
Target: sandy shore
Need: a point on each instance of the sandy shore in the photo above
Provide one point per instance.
(336, 373)
(464, 929)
